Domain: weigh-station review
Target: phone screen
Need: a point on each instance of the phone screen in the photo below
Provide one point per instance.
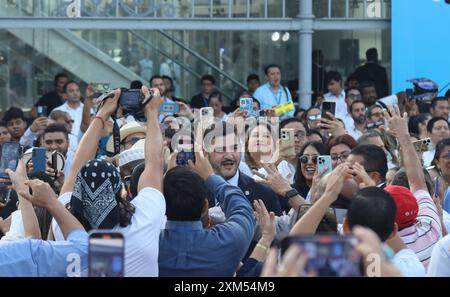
(328, 255)
(41, 111)
(246, 104)
(10, 154)
(185, 151)
(106, 254)
(169, 108)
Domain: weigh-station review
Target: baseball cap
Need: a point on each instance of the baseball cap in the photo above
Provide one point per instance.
(407, 207)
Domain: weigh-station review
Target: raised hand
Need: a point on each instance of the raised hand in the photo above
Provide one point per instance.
(201, 165)
(359, 171)
(265, 220)
(39, 124)
(398, 124)
(334, 126)
(335, 180)
(43, 195)
(274, 179)
(294, 263)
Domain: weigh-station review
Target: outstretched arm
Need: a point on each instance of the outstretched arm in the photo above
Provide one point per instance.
(154, 161)
(43, 196)
(311, 219)
(398, 126)
(89, 143)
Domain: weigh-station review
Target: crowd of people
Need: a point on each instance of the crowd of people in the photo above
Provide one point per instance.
(230, 209)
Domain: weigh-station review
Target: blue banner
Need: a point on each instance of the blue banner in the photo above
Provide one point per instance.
(420, 42)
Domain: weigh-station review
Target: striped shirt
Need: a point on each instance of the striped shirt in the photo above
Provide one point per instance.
(425, 233)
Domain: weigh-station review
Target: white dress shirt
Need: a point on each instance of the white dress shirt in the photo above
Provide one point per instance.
(234, 180)
(76, 114)
(354, 132)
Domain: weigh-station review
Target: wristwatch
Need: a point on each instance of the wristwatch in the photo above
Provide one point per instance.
(291, 193)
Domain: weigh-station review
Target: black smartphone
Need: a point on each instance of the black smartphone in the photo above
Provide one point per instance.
(11, 152)
(330, 107)
(106, 254)
(55, 162)
(328, 255)
(41, 111)
(5, 193)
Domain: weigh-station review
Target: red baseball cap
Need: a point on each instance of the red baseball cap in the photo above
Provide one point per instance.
(407, 207)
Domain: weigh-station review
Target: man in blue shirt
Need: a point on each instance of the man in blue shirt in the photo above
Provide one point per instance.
(185, 247)
(273, 93)
(28, 257)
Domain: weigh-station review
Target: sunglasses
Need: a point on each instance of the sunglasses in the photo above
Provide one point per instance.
(133, 141)
(305, 159)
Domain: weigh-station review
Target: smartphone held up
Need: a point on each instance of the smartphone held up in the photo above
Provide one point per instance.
(106, 254)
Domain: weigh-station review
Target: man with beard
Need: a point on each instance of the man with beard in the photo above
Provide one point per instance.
(222, 147)
(358, 113)
(368, 93)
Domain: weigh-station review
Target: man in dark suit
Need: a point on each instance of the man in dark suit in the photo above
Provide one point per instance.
(221, 145)
(372, 71)
(208, 86)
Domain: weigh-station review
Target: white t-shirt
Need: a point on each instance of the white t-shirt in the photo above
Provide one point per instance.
(16, 229)
(440, 258)
(409, 265)
(141, 236)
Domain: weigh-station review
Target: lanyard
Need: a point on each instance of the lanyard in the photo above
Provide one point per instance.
(280, 96)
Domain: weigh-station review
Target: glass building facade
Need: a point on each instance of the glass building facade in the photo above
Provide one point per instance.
(31, 56)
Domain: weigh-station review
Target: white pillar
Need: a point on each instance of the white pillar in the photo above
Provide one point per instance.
(305, 52)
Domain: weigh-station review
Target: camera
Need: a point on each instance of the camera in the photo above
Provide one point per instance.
(424, 90)
(131, 100)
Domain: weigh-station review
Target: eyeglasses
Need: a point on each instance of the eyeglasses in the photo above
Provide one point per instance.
(305, 159)
(342, 157)
(314, 117)
(377, 114)
(132, 140)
